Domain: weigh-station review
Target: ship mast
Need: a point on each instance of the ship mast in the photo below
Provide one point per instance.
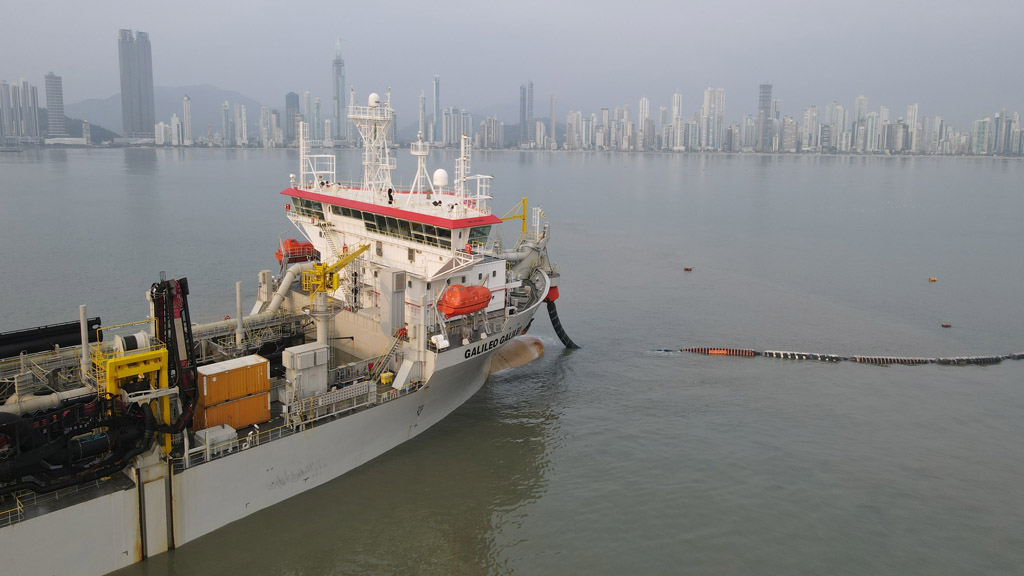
(374, 124)
(422, 182)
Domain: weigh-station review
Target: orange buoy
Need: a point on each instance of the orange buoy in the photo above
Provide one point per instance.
(459, 300)
(933, 279)
(688, 269)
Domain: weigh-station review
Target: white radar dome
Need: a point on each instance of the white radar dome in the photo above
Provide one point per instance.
(374, 100)
(440, 178)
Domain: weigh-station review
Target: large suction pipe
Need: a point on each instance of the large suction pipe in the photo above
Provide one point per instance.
(34, 403)
(286, 284)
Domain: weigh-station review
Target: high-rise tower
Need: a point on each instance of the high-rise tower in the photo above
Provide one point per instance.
(187, 119)
(423, 115)
(338, 68)
(137, 106)
(531, 130)
(522, 116)
(55, 106)
(437, 109)
(764, 118)
(291, 110)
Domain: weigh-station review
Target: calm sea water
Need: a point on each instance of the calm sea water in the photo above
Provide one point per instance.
(617, 459)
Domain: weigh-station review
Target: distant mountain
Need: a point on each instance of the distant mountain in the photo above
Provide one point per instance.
(97, 134)
(206, 100)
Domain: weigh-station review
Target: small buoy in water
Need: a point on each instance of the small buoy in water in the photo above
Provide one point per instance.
(947, 325)
(688, 269)
(933, 279)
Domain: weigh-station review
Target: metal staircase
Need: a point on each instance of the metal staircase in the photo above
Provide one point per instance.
(327, 230)
(381, 364)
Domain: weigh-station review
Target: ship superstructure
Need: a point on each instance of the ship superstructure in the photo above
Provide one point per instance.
(388, 316)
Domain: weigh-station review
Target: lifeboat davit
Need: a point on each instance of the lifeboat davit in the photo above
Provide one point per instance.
(295, 251)
(459, 300)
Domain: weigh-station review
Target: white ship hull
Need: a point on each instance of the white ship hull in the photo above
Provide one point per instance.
(104, 533)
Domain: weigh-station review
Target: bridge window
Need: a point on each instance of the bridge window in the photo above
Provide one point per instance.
(308, 208)
(478, 235)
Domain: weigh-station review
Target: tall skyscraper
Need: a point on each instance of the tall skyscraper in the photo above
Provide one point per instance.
(318, 132)
(437, 109)
(713, 118)
(912, 126)
(764, 118)
(55, 106)
(291, 110)
(19, 113)
(6, 118)
(422, 130)
(531, 129)
(30, 110)
(187, 119)
(307, 109)
(339, 93)
(860, 108)
(551, 129)
(228, 136)
(522, 116)
(177, 136)
(137, 105)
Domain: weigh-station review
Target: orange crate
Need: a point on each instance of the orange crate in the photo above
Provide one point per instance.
(233, 379)
(235, 413)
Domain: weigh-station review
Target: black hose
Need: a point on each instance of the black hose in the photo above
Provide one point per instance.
(566, 341)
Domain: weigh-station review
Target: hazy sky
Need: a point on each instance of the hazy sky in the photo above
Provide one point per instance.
(958, 59)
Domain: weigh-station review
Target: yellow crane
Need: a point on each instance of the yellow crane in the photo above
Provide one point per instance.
(324, 277)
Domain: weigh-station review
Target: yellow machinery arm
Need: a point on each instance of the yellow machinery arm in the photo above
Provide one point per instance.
(324, 277)
(518, 212)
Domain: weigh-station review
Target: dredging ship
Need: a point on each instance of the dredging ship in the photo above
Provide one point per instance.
(118, 443)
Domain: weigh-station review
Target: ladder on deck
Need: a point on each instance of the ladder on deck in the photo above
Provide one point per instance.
(327, 230)
(382, 362)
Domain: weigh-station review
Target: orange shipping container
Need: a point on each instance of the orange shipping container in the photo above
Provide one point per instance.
(236, 413)
(232, 379)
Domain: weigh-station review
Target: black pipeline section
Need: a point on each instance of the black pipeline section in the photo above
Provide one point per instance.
(43, 338)
(875, 360)
(553, 313)
(91, 437)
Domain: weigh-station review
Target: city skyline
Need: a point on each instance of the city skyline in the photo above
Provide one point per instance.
(913, 51)
(773, 129)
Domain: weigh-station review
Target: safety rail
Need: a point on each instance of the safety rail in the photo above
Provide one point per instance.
(201, 454)
(388, 393)
(25, 500)
(12, 515)
(329, 404)
(46, 360)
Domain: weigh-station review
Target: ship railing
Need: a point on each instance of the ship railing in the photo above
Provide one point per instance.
(14, 514)
(24, 500)
(387, 393)
(305, 412)
(381, 112)
(208, 453)
(47, 360)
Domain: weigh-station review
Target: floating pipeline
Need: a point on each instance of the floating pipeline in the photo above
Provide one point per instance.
(873, 360)
(803, 356)
(721, 351)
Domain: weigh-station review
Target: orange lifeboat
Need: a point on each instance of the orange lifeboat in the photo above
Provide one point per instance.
(295, 251)
(459, 300)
